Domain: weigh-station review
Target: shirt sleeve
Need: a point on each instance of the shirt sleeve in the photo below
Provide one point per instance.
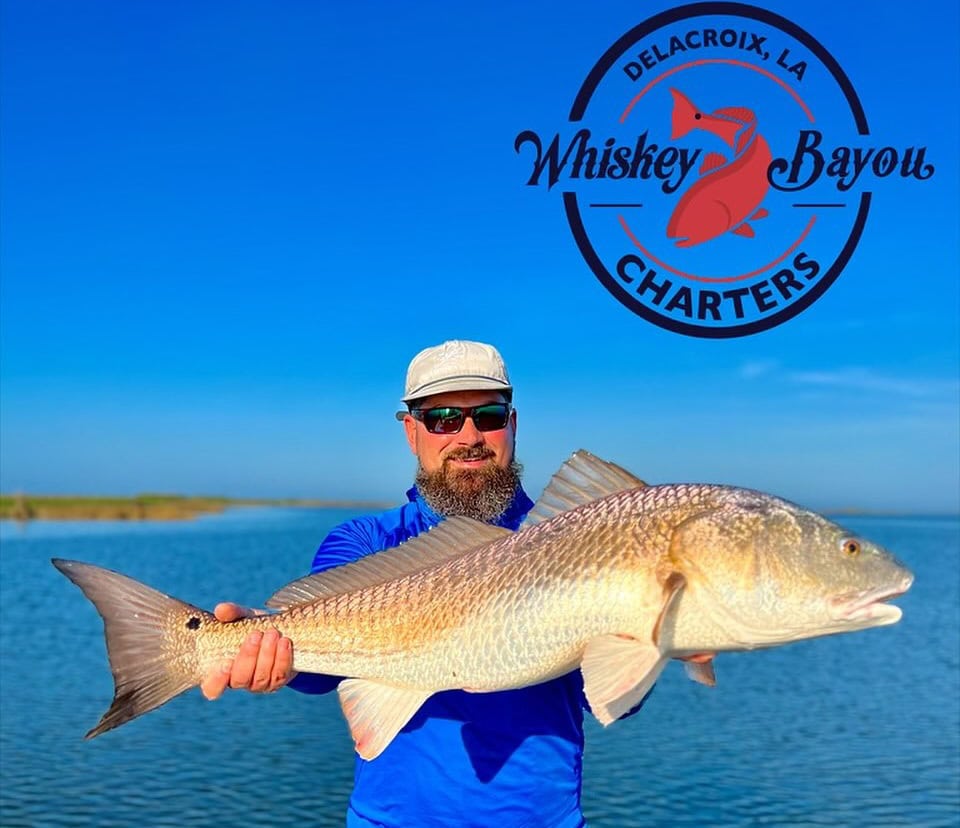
(345, 544)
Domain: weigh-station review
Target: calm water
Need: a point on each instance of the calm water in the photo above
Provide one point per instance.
(861, 729)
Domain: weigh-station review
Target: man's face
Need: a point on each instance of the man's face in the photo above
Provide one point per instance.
(467, 450)
(469, 473)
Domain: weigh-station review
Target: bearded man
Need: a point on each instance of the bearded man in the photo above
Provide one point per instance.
(486, 760)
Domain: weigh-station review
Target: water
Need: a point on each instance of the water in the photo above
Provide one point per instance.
(859, 729)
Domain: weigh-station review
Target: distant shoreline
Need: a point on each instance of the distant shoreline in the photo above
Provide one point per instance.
(891, 513)
(24, 507)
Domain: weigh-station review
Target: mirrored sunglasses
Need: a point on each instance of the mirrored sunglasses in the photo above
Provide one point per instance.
(450, 419)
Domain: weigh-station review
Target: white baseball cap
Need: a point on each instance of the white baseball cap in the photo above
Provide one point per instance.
(457, 365)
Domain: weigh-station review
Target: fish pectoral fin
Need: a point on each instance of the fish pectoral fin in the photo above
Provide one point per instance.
(376, 712)
(761, 213)
(744, 230)
(618, 671)
(712, 161)
(701, 672)
(672, 587)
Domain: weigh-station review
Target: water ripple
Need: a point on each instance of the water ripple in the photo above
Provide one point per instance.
(845, 731)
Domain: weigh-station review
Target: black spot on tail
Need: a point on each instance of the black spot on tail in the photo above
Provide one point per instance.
(147, 670)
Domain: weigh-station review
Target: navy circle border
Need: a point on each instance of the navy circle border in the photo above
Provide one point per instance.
(599, 71)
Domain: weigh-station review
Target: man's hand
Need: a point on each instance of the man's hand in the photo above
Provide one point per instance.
(263, 665)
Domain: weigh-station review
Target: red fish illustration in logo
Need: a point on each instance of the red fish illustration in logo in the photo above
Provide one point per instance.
(727, 192)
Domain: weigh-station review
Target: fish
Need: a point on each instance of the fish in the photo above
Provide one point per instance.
(606, 574)
(727, 193)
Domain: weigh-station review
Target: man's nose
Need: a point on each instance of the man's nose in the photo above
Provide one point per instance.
(470, 434)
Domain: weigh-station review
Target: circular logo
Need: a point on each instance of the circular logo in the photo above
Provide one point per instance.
(716, 169)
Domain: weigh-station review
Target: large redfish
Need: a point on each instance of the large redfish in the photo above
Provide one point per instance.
(606, 575)
(728, 192)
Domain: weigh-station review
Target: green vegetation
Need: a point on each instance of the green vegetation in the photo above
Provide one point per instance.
(141, 507)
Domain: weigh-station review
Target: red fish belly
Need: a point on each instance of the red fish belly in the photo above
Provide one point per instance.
(722, 199)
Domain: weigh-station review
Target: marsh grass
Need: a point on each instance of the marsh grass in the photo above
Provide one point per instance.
(23, 507)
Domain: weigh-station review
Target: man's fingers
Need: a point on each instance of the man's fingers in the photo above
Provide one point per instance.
(227, 612)
(283, 665)
(216, 681)
(263, 670)
(246, 661)
(263, 664)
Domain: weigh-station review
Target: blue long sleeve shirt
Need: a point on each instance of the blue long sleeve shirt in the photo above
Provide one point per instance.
(477, 760)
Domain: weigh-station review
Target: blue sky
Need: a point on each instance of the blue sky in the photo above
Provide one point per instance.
(226, 228)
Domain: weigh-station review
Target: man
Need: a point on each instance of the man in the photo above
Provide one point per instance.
(501, 759)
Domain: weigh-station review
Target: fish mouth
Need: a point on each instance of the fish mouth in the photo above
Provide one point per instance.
(868, 608)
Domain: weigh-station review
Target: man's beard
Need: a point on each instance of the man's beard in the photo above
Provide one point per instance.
(482, 494)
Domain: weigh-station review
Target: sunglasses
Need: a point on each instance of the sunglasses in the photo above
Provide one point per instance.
(450, 419)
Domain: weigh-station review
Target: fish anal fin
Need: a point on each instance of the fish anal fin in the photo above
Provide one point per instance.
(454, 537)
(618, 671)
(712, 161)
(376, 712)
(744, 230)
(761, 213)
(582, 479)
(701, 672)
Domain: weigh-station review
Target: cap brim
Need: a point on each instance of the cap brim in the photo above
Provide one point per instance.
(458, 384)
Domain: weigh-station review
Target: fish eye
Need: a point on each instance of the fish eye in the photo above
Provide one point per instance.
(851, 547)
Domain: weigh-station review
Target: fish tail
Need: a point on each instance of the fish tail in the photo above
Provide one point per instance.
(151, 641)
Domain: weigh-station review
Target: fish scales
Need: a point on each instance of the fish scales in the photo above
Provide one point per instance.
(480, 603)
(525, 603)
(608, 575)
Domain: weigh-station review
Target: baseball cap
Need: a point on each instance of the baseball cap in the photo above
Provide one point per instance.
(457, 365)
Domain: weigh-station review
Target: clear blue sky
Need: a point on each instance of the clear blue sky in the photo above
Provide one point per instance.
(227, 226)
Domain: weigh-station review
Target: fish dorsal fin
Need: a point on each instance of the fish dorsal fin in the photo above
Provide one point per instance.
(443, 542)
(712, 162)
(581, 479)
(738, 113)
(745, 137)
(376, 712)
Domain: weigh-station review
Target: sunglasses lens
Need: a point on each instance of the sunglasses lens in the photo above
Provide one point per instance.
(443, 420)
(491, 417)
(449, 420)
